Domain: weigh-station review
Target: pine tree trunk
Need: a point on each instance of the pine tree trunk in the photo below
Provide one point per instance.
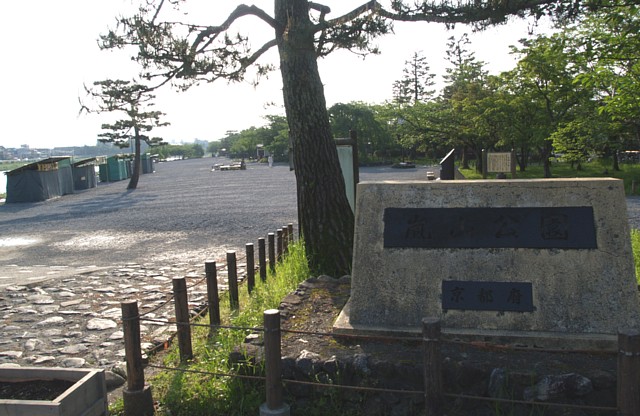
(324, 212)
(135, 175)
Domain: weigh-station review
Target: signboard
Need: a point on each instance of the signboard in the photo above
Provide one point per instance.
(487, 296)
(499, 162)
(534, 227)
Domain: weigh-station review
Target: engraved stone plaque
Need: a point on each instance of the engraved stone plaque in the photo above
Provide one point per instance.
(535, 227)
(487, 296)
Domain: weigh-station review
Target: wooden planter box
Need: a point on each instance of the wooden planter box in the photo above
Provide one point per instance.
(87, 397)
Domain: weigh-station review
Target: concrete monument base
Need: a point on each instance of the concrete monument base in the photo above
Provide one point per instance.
(529, 339)
(512, 259)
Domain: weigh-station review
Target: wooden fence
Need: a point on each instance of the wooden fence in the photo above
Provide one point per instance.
(137, 396)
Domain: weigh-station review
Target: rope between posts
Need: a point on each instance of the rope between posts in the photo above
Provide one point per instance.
(479, 345)
(162, 305)
(199, 282)
(238, 328)
(184, 370)
(364, 337)
(358, 388)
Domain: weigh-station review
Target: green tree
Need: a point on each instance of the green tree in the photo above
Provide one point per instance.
(607, 41)
(275, 137)
(524, 118)
(185, 151)
(363, 119)
(186, 53)
(417, 82)
(546, 74)
(465, 96)
(134, 100)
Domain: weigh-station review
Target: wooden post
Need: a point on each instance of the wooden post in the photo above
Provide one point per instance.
(285, 240)
(251, 268)
(290, 228)
(272, 350)
(213, 298)
(262, 259)
(353, 135)
(629, 373)
(272, 251)
(279, 245)
(484, 163)
(182, 318)
(432, 366)
(137, 396)
(232, 270)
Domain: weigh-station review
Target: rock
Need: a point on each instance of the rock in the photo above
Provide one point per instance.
(100, 324)
(361, 364)
(498, 384)
(54, 320)
(71, 303)
(113, 313)
(255, 339)
(74, 349)
(308, 363)
(40, 299)
(11, 354)
(52, 333)
(47, 309)
(41, 359)
(31, 344)
(73, 362)
(116, 335)
(66, 294)
(332, 366)
(113, 380)
(120, 368)
(560, 386)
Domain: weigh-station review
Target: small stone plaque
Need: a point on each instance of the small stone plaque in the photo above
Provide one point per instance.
(487, 296)
(534, 227)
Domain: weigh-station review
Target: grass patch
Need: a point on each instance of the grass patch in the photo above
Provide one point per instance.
(635, 247)
(11, 165)
(181, 393)
(598, 168)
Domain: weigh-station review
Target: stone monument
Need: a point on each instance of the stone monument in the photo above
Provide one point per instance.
(544, 262)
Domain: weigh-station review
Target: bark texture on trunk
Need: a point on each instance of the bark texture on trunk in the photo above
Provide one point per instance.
(135, 174)
(325, 216)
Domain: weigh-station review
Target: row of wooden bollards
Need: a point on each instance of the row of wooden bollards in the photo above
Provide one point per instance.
(137, 395)
(628, 385)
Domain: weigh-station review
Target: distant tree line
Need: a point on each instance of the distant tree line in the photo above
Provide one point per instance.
(573, 93)
(185, 151)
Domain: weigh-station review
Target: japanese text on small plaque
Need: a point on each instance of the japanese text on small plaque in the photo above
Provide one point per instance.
(499, 162)
(487, 296)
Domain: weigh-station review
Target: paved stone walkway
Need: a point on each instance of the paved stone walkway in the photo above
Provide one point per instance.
(76, 321)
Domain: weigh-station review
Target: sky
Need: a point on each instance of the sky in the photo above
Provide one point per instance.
(50, 53)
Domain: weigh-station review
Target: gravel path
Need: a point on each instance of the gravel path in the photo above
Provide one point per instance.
(183, 212)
